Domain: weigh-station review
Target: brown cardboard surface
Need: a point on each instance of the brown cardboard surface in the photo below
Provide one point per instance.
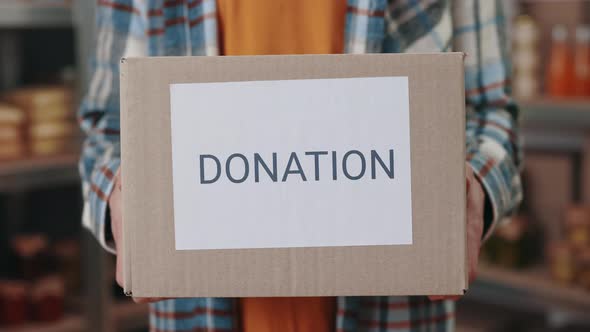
(433, 264)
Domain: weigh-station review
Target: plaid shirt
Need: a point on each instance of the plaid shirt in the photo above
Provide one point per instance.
(189, 27)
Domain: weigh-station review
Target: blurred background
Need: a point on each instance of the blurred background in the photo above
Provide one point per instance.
(535, 274)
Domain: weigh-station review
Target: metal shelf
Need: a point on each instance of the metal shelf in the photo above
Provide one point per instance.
(556, 114)
(38, 172)
(67, 324)
(560, 125)
(531, 289)
(126, 315)
(15, 15)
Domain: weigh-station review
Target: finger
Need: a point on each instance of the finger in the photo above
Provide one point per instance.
(468, 176)
(120, 178)
(115, 210)
(149, 299)
(436, 297)
(119, 271)
(444, 297)
(473, 270)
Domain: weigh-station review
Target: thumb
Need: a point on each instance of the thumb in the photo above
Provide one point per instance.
(468, 176)
(119, 270)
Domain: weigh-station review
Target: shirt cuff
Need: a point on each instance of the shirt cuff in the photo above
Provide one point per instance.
(500, 181)
(97, 193)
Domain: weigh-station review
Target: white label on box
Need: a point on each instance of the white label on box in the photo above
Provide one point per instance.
(293, 163)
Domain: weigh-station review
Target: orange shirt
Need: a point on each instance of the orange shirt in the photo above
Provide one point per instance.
(288, 314)
(256, 27)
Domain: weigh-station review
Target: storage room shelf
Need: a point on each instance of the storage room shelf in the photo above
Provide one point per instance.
(557, 125)
(38, 172)
(67, 324)
(556, 113)
(531, 288)
(16, 14)
(127, 316)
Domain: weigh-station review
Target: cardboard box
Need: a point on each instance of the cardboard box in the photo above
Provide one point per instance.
(227, 191)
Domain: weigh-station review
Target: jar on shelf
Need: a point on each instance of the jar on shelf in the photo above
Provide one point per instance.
(12, 132)
(13, 302)
(562, 262)
(514, 243)
(582, 61)
(525, 57)
(559, 77)
(30, 250)
(67, 254)
(583, 264)
(47, 299)
(577, 225)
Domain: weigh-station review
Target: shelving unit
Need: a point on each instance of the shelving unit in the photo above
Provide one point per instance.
(37, 173)
(530, 288)
(562, 127)
(127, 316)
(555, 126)
(67, 324)
(97, 310)
(556, 114)
(15, 14)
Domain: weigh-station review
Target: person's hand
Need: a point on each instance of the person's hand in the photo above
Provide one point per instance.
(116, 221)
(474, 216)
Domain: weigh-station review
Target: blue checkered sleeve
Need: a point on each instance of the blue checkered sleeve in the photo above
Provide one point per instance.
(118, 32)
(493, 148)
